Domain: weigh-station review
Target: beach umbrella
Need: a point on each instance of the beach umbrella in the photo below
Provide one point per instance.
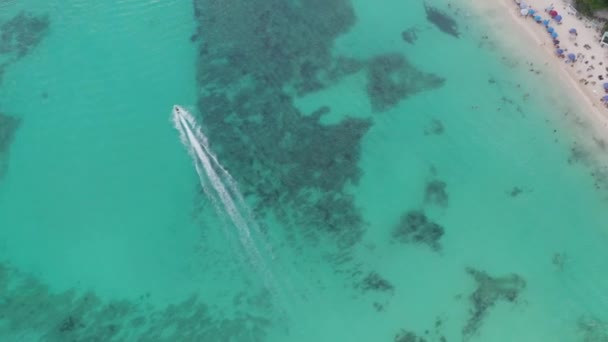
(546, 22)
(560, 51)
(538, 19)
(524, 12)
(572, 31)
(572, 57)
(552, 13)
(522, 5)
(605, 98)
(550, 29)
(558, 18)
(531, 11)
(554, 35)
(605, 85)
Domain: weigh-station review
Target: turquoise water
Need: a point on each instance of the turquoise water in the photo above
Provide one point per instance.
(433, 187)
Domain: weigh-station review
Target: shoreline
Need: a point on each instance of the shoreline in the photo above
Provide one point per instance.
(516, 31)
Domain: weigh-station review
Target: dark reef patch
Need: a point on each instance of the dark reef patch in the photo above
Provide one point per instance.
(559, 261)
(251, 54)
(430, 335)
(276, 42)
(592, 329)
(585, 156)
(579, 154)
(343, 66)
(8, 127)
(2, 69)
(444, 22)
(408, 336)
(19, 35)
(435, 193)
(69, 324)
(435, 127)
(22, 33)
(28, 306)
(515, 191)
(254, 58)
(489, 291)
(391, 78)
(374, 282)
(410, 35)
(415, 227)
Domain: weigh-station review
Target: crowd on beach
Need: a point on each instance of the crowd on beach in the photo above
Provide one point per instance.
(566, 41)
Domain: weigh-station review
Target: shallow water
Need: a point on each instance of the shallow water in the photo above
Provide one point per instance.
(434, 186)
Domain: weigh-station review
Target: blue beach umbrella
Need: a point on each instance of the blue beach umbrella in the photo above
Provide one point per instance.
(546, 22)
(550, 29)
(531, 11)
(560, 51)
(522, 5)
(605, 85)
(605, 98)
(572, 57)
(572, 31)
(558, 18)
(538, 18)
(554, 35)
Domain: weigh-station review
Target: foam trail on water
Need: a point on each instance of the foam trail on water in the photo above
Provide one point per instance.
(231, 183)
(206, 164)
(204, 182)
(206, 187)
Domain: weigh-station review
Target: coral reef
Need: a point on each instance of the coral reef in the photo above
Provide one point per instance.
(559, 260)
(275, 42)
(586, 157)
(579, 154)
(489, 291)
(8, 127)
(254, 58)
(374, 282)
(286, 160)
(515, 191)
(22, 33)
(442, 21)
(415, 227)
(592, 329)
(26, 305)
(435, 127)
(410, 35)
(19, 35)
(436, 193)
(434, 335)
(391, 78)
(408, 336)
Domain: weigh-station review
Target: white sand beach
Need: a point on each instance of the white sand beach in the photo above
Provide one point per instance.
(585, 76)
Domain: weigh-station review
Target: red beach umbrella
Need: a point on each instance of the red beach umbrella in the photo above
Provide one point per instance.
(553, 13)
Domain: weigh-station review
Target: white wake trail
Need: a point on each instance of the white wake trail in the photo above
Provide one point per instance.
(206, 164)
(203, 181)
(218, 186)
(231, 183)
